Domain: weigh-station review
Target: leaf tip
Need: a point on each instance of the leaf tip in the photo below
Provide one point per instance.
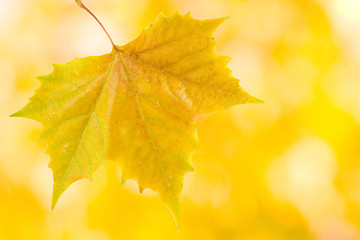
(42, 79)
(173, 204)
(141, 189)
(159, 17)
(39, 139)
(122, 180)
(223, 19)
(20, 113)
(176, 216)
(53, 203)
(17, 114)
(91, 175)
(55, 66)
(252, 99)
(247, 98)
(227, 59)
(55, 197)
(58, 189)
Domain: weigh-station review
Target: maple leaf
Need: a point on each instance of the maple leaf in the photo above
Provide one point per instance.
(135, 106)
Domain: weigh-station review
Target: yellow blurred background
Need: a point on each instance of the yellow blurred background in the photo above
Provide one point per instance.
(285, 169)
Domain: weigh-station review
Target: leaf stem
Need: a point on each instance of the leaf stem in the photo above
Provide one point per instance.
(86, 9)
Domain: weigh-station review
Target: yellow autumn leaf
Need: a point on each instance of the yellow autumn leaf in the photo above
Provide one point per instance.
(135, 106)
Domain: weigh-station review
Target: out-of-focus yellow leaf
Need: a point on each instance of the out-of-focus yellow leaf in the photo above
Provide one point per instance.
(21, 213)
(135, 106)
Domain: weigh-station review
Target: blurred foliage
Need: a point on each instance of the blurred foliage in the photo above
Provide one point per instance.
(286, 169)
